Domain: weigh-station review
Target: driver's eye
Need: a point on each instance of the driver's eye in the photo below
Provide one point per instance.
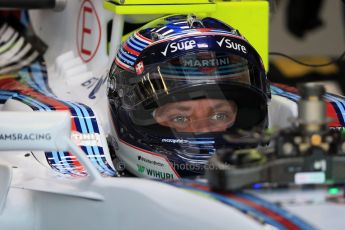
(219, 117)
(180, 119)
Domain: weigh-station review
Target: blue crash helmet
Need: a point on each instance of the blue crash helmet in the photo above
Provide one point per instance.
(173, 75)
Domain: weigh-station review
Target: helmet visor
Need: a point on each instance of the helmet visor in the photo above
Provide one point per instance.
(197, 92)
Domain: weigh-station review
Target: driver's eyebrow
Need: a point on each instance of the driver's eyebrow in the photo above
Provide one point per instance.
(181, 107)
(220, 105)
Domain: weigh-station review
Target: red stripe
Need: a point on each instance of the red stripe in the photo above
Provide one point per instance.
(199, 186)
(204, 29)
(15, 85)
(142, 37)
(123, 66)
(130, 50)
(332, 114)
(285, 222)
(286, 88)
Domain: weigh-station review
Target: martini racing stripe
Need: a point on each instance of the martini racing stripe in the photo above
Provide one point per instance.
(262, 211)
(38, 83)
(32, 81)
(63, 166)
(339, 105)
(56, 161)
(125, 58)
(139, 42)
(131, 43)
(129, 50)
(32, 89)
(273, 207)
(90, 126)
(37, 73)
(278, 91)
(5, 95)
(127, 55)
(335, 104)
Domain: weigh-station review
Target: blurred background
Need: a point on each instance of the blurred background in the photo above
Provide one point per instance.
(311, 31)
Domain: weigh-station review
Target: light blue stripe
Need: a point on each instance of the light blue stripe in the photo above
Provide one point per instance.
(127, 55)
(281, 92)
(131, 45)
(38, 77)
(84, 129)
(340, 103)
(125, 59)
(7, 93)
(91, 130)
(99, 159)
(24, 18)
(81, 122)
(79, 114)
(201, 142)
(293, 96)
(66, 166)
(24, 74)
(30, 101)
(40, 106)
(2, 97)
(138, 42)
(93, 159)
(84, 116)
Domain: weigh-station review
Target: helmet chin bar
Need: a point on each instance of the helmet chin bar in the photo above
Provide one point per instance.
(308, 152)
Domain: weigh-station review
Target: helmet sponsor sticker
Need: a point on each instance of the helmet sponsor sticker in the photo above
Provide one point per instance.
(180, 45)
(153, 162)
(189, 44)
(227, 43)
(154, 173)
(146, 164)
(175, 141)
(139, 68)
(222, 61)
(86, 139)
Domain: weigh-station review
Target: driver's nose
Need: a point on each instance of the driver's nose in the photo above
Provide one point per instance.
(201, 126)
